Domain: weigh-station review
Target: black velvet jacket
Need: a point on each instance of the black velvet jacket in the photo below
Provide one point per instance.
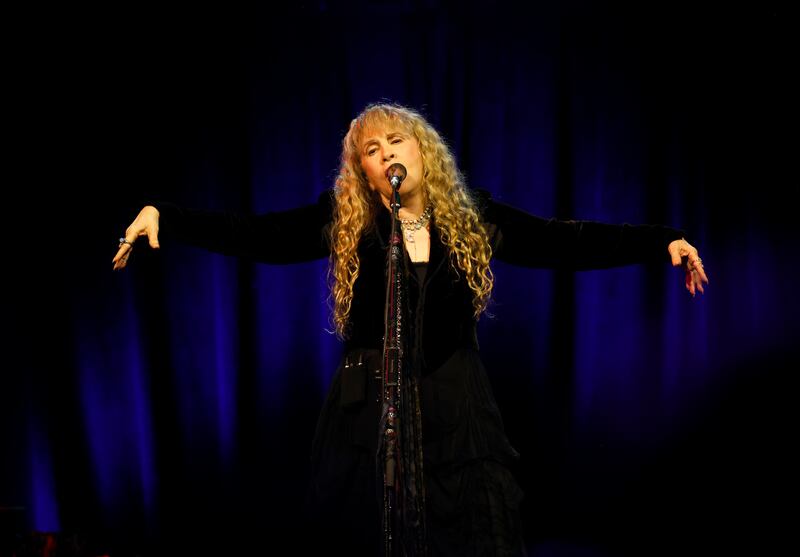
(440, 309)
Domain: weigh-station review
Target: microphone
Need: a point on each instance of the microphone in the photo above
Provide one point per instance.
(396, 173)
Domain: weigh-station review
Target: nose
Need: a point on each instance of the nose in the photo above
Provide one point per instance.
(388, 155)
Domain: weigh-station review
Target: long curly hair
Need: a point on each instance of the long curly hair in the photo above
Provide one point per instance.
(455, 212)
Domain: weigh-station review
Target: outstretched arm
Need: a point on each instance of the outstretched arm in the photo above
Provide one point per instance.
(290, 236)
(521, 238)
(531, 241)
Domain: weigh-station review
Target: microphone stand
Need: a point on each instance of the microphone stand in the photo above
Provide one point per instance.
(399, 458)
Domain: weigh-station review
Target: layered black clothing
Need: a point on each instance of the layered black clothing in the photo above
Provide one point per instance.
(472, 499)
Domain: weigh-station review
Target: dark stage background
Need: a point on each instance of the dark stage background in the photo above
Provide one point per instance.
(171, 406)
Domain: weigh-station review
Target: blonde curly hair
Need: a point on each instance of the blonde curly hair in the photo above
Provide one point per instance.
(455, 212)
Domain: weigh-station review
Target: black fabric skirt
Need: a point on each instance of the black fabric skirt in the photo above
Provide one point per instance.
(472, 499)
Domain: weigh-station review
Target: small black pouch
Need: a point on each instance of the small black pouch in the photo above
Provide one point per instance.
(354, 380)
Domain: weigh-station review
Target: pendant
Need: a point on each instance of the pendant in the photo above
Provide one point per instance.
(409, 236)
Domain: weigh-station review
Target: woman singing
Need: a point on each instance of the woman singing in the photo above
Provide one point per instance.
(450, 233)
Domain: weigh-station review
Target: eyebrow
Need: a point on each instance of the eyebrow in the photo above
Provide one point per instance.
(373, 140)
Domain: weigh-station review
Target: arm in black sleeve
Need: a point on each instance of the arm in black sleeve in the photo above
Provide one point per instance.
(524, 239)
(291, 236)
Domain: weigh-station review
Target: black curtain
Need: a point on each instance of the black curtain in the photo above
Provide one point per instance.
(172, 405)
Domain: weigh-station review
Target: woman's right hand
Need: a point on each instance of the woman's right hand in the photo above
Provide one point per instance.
(145, 224)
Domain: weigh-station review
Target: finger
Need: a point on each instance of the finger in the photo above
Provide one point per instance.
(690, 282)
(699, 277)
(121, 264)
(123, 250)
(675, 254)
(121, 258)
(701, 272)
(152, 235)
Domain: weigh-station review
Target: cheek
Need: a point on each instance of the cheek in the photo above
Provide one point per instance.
(366, 178)
(373, 174)
(365, 174)
(369, 178)
(416, 156)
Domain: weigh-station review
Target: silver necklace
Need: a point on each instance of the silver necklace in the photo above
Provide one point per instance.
(411, 226)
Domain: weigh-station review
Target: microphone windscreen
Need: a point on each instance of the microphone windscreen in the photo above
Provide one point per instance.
(396, 173)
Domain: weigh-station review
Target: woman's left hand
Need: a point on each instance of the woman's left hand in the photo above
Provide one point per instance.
(685, 254)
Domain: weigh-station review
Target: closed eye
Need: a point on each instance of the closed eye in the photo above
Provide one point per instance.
(393, 140)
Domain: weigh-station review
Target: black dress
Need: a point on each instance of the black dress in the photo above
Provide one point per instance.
(472, 499)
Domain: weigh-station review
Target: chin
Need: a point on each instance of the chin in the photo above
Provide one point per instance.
(409, 190)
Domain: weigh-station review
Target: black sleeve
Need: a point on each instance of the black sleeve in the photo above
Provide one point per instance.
(524, 239)
(291, 236)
